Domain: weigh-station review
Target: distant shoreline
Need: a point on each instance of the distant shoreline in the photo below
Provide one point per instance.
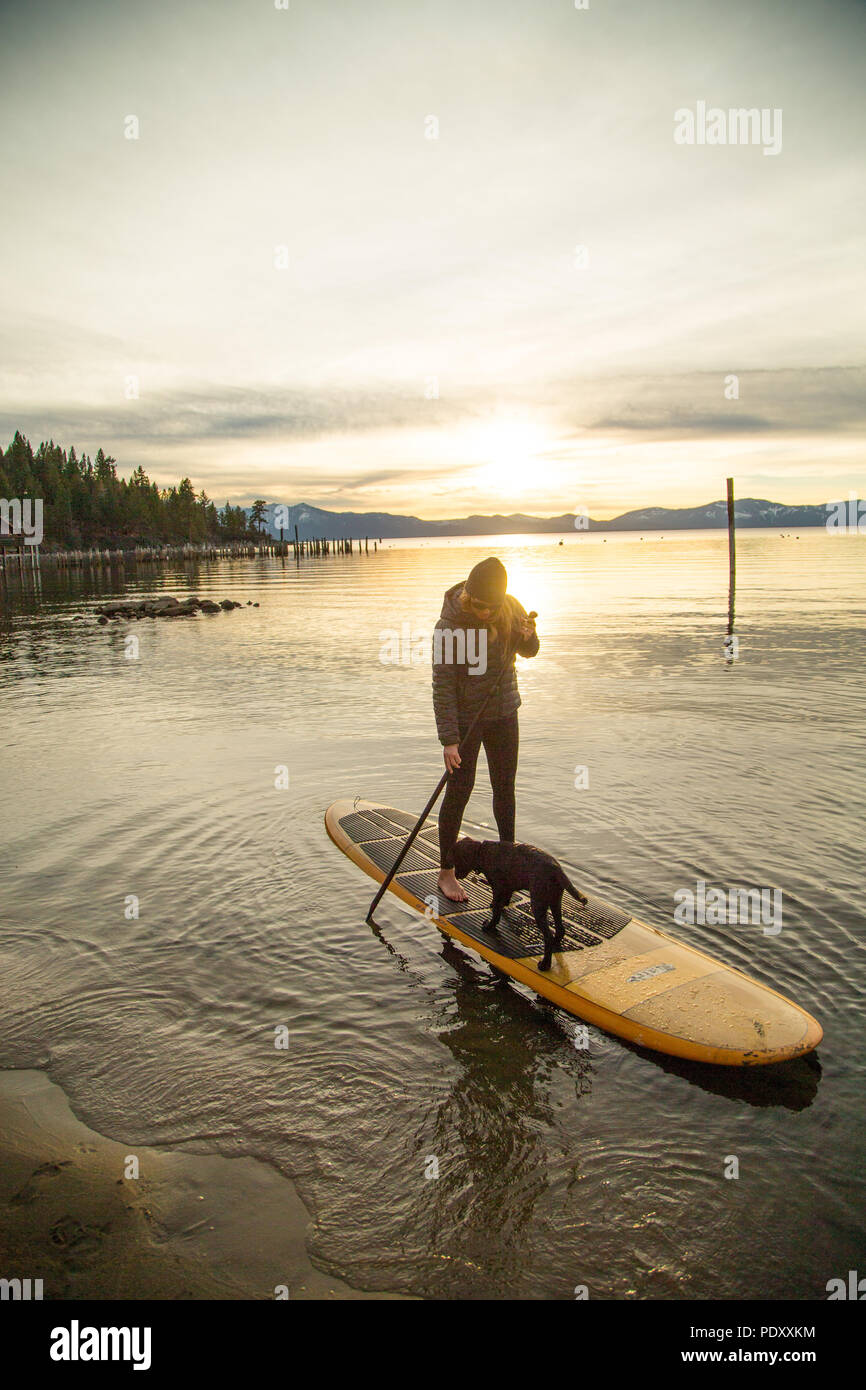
(270, 545)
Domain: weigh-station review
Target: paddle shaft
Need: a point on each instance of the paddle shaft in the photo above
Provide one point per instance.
(440, 787)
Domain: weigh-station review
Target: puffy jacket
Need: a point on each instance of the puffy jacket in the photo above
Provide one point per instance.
(458, 694)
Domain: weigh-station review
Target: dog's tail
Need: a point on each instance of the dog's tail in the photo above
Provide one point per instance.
(565, 882)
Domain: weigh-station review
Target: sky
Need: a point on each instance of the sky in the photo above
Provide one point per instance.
(438, 258)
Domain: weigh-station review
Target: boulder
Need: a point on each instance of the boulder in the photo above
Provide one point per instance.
(118, 609)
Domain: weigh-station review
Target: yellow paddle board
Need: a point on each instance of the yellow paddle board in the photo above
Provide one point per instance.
(612, 971)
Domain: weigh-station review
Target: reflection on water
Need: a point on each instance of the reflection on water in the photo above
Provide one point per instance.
(155, 778)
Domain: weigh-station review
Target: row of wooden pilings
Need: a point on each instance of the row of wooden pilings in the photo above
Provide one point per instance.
(343, 545)
(23, 558)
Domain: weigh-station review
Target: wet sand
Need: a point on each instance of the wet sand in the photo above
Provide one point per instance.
(190, 1226)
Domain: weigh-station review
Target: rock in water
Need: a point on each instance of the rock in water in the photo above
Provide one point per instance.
(166, 606)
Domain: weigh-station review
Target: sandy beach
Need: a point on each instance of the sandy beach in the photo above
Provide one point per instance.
(189, 1227)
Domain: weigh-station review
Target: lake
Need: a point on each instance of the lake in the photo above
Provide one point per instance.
(155, 776)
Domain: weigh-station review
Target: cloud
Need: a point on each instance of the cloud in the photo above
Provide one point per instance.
(677, 421)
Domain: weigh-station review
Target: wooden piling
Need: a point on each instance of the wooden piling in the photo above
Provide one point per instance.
(732, 557)
(731, 641)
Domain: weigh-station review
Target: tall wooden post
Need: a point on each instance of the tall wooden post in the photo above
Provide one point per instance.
(732, 555)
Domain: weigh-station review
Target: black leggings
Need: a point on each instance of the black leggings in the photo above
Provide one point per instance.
(500, 739)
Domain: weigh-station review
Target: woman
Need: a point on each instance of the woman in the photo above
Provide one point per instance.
(479, 619)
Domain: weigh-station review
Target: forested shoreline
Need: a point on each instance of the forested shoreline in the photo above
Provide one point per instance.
(86, 504)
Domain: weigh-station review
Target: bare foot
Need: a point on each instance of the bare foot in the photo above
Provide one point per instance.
(449, 887)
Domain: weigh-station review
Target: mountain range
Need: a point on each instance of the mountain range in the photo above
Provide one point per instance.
(314, 522)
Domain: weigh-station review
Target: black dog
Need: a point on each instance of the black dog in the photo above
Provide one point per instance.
(509, 867)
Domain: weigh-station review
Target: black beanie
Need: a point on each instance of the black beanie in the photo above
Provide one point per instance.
(488, 582)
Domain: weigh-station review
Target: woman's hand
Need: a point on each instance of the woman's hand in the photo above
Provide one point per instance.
(527, 628)
(451, 756)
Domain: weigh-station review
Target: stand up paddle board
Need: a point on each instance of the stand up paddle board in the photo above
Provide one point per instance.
(612, 971)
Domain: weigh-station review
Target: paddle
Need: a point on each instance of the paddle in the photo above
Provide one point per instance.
(506, 664)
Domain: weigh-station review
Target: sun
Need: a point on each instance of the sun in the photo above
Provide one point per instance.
(508, 450)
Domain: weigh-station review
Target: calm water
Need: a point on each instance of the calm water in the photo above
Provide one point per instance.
(155, 777)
